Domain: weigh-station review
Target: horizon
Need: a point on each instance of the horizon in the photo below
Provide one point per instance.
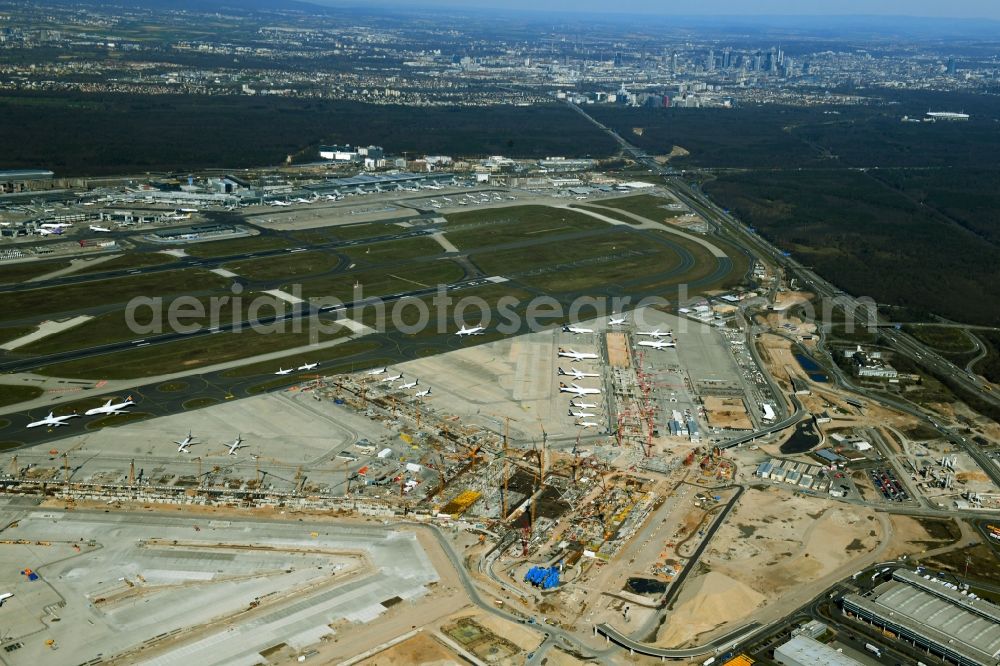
(969, 10)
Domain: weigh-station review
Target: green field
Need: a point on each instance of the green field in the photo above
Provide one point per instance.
(344, 232)
(112, 326)
(78, 297)
(299, 264)
(15, 332)
(130, 260)
(554, 256)
(644, 205)
(11, 394)
(183, 355)
(383, 281)
(394, 250)
(477, 229)
(233, 246)
(17, 273)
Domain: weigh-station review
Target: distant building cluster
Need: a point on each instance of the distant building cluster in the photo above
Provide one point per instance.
(870, 364)
(372, 157)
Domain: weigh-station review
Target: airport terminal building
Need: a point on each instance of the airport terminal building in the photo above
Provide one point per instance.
(933, 616)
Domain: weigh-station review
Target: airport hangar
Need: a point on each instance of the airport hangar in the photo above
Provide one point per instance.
(932, 616)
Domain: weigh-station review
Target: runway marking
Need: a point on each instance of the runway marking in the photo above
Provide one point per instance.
(419, 284)
(45, 329)
(284, 295)
(223, 272)
(445, 244)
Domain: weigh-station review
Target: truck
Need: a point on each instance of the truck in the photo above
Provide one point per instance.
(874, 649)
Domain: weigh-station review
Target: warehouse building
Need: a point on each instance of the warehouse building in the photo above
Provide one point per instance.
(933, 616)
(805, 651)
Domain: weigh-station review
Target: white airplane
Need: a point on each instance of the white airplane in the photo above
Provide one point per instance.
(389, 380)
(586, 424)
(5, 596)
(59, 226)
(423, 394)
(409, 385)
(617, 321)
(473, 330)
(236, 445)
(110, 408)
(577, 374)
(657, 344)
(578, 390)
(581, 405)
(577, 330)
(53, 421)
(183, 444)
(282, 371)
(656, 333)
(375, 372)
(103, 230)
(575, 355)
(49, 232)
(580, 415)
(280, 203)
(308, 366)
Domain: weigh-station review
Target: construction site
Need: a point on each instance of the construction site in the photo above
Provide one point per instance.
(555, 501)
(560, 463)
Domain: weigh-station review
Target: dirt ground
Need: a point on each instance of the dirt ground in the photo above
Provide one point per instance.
(727, 413)
(787, 299)
(421, 649)
(913, 537)
(556, 657)
(518, 634)
(618, 356)
(708, 601)
(773, 549)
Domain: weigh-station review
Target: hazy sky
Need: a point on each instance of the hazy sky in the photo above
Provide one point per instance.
(938, 8)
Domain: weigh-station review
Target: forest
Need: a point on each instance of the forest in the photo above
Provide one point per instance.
(79, 134)
(870, 239)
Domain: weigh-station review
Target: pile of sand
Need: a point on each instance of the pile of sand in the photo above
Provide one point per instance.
(707, 602)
